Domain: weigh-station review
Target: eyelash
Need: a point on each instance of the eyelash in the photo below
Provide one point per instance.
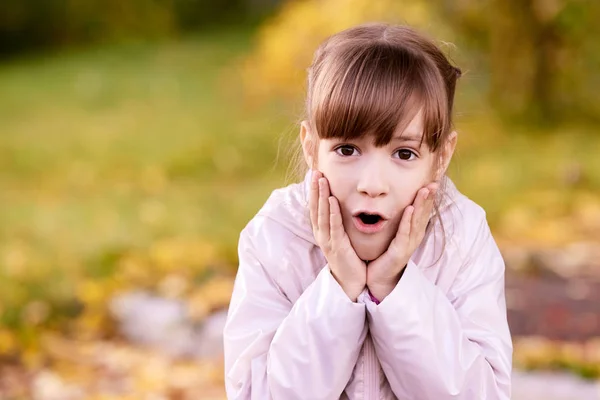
(347, 146)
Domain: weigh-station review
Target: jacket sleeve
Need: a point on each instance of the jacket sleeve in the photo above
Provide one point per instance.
(276, 349)
(433, 348)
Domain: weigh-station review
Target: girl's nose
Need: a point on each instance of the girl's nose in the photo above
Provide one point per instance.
(372, 181)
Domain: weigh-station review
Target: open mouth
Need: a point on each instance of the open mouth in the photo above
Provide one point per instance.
(369, 223)
(369, 219)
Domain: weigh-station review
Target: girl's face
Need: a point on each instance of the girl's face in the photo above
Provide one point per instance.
(376, 180)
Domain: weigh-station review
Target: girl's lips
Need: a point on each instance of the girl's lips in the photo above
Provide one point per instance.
(368, 228)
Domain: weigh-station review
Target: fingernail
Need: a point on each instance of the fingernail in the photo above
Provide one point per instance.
(426, 194)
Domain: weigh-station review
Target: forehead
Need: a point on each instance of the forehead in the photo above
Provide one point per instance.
(414, 129)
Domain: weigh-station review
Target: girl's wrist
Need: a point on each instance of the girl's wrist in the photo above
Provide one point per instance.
(379, 293)
(352, 291)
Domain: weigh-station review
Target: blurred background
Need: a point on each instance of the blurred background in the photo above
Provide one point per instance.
(138, 138)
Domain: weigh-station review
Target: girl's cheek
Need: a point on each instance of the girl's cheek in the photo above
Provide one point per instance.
(336, 186)
(407, 196)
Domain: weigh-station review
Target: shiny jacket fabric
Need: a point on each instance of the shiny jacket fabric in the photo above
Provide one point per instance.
(292, 332)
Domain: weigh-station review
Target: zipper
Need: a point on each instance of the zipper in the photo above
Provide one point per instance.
(371, 371)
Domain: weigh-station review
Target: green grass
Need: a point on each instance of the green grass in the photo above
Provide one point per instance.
(110, 149)
(120, 145)
(113, 148)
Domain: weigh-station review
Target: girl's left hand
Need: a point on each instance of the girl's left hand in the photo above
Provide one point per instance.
(384, 272)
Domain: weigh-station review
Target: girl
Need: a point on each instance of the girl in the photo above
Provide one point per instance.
(374, 278)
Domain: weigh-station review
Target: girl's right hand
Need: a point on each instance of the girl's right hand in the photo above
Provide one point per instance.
(326, 219)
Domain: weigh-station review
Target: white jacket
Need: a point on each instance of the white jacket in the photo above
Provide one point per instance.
(292, 332)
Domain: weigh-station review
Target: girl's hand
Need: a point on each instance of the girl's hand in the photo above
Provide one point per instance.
(326, 219)
(384, 273)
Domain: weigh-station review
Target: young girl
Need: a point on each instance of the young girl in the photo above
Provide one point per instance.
(374, 278)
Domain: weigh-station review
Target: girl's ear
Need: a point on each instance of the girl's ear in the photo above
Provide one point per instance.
(446, 156)
(308, 143)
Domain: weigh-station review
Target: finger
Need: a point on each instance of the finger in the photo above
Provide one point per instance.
(403, 233)
(433, 186)
(433, 195)
(405, 223)
(323, 213)
(313, 199)
(336, 225)
(402, 238)
(421, 202)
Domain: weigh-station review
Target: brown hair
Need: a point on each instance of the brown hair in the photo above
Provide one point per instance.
(372, 79)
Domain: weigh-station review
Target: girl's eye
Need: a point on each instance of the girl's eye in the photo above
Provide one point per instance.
(345, 151)
(405, 154)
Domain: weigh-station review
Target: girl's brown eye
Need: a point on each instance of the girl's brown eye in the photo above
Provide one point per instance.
(405, 154)
(346, 150)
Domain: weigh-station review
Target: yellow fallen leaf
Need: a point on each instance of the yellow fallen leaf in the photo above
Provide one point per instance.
(8, 342)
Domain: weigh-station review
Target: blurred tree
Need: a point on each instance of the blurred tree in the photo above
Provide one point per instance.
(30, 24)
(543, 54)
(285, 44)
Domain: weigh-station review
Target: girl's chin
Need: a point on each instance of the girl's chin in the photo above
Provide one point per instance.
(369, 247)
(371, 250)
